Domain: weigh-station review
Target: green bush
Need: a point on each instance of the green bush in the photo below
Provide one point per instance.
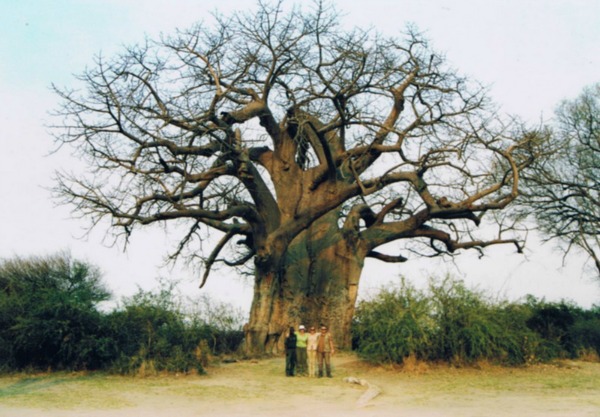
(518, 343)
(471, 327)
(48, 315)
(219, 323)
(149, 330)
(586, 333)
(446, 323)
(566, 329)
(49, 319)
(154, 331)
(394, 325)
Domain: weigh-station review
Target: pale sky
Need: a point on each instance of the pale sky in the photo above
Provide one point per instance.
(531, 53)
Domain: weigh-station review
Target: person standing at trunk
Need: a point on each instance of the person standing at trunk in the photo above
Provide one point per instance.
(324, 351)
(290, 353)
(301, 340)
(311, 350)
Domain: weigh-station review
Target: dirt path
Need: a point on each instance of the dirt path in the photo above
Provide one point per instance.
(259, 388)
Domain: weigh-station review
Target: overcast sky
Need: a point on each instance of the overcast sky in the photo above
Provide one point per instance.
(531, 53)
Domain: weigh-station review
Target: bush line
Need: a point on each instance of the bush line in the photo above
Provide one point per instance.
(50, 320)
(451, 323)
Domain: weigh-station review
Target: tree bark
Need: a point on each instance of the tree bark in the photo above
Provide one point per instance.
(315, 284)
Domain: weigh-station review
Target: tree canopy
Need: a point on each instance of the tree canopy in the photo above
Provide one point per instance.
(188, 128)
(563, 193)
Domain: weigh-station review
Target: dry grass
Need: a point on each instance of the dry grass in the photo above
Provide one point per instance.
(260, 388)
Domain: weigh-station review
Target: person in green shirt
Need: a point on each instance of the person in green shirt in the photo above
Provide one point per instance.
(301, 341)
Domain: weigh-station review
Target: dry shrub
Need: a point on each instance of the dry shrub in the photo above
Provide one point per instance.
(203, 353)
(589, 355)
(412, 365)
(147, 368)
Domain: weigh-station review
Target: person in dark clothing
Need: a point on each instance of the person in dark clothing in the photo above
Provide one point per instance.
(290, 353)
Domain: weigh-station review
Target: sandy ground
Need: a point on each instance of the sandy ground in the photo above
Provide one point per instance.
(259, 388)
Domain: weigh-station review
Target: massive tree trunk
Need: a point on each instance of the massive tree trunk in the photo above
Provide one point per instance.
(315, 283)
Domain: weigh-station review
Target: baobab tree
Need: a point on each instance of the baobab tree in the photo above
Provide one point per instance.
(299, 148)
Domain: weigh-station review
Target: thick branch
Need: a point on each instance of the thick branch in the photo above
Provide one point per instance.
(386, 258)
(213, 256)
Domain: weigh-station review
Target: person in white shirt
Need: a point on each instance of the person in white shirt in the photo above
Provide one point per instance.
(311, 350)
